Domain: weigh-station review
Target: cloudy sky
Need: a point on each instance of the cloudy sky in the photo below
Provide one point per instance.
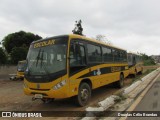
(130, 24)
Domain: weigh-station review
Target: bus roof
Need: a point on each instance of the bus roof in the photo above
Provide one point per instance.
(93, 40)
(79, 36)
(48, 38)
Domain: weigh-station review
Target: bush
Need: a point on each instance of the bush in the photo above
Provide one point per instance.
(147, 60)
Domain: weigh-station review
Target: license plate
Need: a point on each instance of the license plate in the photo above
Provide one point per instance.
(38, 96)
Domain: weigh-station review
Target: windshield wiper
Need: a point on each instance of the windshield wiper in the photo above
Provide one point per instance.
(38, 57)
(42, 58)
(42, 65)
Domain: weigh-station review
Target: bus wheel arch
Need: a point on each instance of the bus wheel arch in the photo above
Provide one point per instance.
(88, 81)
(122, 73)
(84, 92)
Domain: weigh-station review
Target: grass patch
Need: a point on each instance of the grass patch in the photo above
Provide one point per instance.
(121, 98)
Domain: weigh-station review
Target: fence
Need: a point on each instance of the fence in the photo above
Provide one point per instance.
(5, 70)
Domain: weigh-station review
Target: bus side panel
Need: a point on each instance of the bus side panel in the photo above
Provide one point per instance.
(75, 80)
(139, 67)
(109, 78)
(96, 80)
(132, 70)
(74, 85)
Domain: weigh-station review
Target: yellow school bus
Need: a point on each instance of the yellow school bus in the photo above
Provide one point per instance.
(135, 63)
(72, 65)
(20, 69)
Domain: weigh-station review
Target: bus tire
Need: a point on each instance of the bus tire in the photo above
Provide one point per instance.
(84, 94)
(135, 73)
(140, 72)
(120, 82)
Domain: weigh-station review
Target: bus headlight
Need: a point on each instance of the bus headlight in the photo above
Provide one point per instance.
(59, 85)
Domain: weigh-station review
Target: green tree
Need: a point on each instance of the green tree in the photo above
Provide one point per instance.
(148, 60)
(17, 45)
(3, 57)
(19, 39)
(18, 54)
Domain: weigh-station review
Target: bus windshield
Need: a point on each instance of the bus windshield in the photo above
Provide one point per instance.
(44, 58)
(21, 66)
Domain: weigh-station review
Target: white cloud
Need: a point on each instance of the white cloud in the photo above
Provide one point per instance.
(130, 24)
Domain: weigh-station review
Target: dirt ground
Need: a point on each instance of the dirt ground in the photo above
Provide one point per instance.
(12, 97)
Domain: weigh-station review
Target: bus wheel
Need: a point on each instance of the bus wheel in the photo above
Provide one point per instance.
(84, 94)
(120, 83)
(141, 71)
(135, 73)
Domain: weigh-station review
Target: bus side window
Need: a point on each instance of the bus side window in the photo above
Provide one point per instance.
(77, 55)
(134, 60)
(94, 53)
(82, 55)
(107, 54)
(124, 56)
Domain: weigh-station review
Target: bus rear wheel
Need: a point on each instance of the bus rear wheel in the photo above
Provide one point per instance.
(120, 82)
(84, 94)
(135, 73)
(141, 71)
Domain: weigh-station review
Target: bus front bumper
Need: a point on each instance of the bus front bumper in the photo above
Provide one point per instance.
(51, 93)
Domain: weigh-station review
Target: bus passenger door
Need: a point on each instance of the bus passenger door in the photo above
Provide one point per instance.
(77, 59)
(77, 65)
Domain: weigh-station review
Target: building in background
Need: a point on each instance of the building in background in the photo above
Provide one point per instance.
(156, 58)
